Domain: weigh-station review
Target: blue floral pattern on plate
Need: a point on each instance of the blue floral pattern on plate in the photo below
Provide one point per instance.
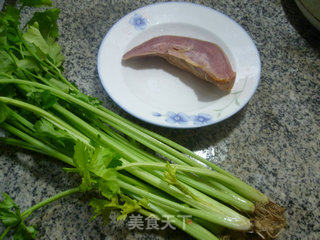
(180, 118)
(138, 21)
(201, 118)
(183, 119)
(156, 114)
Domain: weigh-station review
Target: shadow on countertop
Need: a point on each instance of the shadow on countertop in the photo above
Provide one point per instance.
(301, 24)
(197, 138)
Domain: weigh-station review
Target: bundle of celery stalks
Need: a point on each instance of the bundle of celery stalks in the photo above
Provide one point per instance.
(123, 165)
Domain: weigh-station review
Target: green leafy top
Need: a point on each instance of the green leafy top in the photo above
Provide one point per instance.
(126, 204)
(36, 3)
(11, 217)
(10, 21)
(103, 208)
(54, 136)
(44, 48)
(9, 24)
(3, 112)
(47, 22)
(102, 159)
(86, 98)
(8, 90)
(7, 64)
(40, 98)
(81, 158)
(97, 161)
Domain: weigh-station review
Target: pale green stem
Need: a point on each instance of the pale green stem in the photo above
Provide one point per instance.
(39, 145)
(242, 224)
(68, 192)
(238, 186)
(51, 118)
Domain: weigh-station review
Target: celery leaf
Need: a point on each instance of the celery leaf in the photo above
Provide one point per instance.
(59, 138)
(108, 185)
(10, 216)
(102, 160)
(7, 65)
(48, 48)
(47, 21)
(130, 206)
(86, 98)
(43, 99)
(81, 159)
(3, 112)
(103, 207)
(36, 3)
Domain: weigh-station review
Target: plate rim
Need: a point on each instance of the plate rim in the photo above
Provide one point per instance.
(314, 20)
(181, 126)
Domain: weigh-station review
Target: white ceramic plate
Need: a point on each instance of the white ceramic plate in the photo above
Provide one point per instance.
(311, 10)
(156, 92)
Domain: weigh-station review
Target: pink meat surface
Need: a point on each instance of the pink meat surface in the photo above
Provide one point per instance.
(204, 59)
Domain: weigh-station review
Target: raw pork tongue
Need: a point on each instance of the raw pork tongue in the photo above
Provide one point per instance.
(205, 60)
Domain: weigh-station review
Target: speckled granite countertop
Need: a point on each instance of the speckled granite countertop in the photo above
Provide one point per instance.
(273, 143)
